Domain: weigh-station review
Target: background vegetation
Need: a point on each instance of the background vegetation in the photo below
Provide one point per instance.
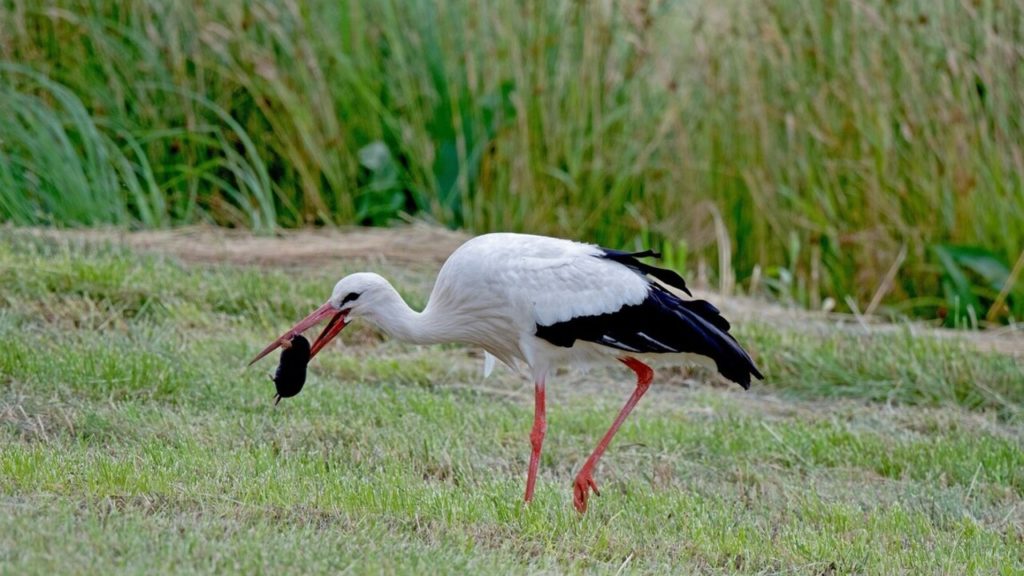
(866, 152)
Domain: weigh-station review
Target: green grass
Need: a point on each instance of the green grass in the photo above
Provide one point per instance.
(806, 147)
(134, 441)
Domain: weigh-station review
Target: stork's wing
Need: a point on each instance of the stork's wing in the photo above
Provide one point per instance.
(662, 324)
(570, 281)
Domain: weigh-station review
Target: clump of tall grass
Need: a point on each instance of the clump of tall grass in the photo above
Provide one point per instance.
(869, 152)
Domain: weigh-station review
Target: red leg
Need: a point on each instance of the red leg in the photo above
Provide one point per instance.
(540, 426)
(585, 479)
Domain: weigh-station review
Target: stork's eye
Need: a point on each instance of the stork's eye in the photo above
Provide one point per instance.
(351, 296)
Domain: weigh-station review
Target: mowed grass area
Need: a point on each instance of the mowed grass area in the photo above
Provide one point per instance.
(133, 439)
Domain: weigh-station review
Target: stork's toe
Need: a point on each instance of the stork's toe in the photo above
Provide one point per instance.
(581, 490)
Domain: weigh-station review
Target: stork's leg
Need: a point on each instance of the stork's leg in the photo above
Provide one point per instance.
(540, 426)
(585, 479)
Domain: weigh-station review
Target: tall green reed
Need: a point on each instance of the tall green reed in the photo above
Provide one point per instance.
(812, 149)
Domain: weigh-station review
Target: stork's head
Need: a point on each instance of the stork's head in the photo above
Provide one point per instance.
(359, 295)
(354, 296)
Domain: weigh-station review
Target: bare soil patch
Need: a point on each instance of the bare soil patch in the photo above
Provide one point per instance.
(426, 247)
(414, 244)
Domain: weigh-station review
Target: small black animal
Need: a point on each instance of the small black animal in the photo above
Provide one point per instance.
(291, 371)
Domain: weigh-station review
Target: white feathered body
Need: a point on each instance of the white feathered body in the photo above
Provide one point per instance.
(502, 284)
(547, 301)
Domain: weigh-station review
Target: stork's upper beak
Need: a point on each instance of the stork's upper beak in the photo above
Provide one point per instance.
(334, 326)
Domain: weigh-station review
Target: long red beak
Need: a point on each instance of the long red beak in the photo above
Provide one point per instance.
(332, 329)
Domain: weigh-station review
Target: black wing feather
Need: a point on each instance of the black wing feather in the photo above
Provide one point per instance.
(709, 312)
(662, 323)
(670, 277)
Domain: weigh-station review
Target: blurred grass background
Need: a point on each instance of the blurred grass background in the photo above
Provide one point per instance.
(865, 153)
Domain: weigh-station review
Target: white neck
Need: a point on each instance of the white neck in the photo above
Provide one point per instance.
(444, 320)
(392, 315)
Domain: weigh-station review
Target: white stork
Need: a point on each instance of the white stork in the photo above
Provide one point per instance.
(545, 301)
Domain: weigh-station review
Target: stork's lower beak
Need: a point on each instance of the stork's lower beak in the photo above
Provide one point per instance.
(334, 326)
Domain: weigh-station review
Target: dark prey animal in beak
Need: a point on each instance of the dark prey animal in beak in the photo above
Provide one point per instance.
(291, 371)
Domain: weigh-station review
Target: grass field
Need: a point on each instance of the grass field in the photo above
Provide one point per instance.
(132, 440)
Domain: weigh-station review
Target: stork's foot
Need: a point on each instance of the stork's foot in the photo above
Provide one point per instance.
(581, 489)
